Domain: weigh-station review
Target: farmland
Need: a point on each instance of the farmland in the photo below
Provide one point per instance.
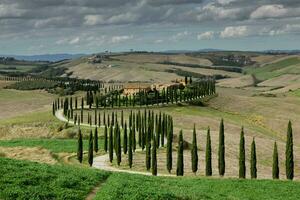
(262, 99)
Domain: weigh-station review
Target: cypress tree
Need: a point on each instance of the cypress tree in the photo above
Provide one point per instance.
(180, 164)
(96, 147)
(289, 162)
(111, 144)
(194, 152)
(154, 158)
(148, 149)
(242, 159)
(119, 150)
(105, 138)
(275, 168)
(221, 158)
(253, 160)
(208, 168)
(90, 154)
(130, 148)
(80, 147)
(125, 139)
(169, 150)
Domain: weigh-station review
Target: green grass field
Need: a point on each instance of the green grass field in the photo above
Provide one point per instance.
(136, 187)
(28, 180)
(54, 145)
(289, 65)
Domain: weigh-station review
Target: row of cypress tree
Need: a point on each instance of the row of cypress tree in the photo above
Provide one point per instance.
(112, 143)
(173, 94)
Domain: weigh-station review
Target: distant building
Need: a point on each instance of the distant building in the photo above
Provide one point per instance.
(134, 88)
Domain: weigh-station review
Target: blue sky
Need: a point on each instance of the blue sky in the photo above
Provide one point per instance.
(90, 26)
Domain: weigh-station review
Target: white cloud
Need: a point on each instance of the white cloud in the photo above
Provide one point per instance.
(159, 41)
(234, 32)
(180, 36)
(93, 19)
(70, 41)
(74, 40)
(122, 38)
(269, 11)
(124, 18)
(287, 29)
(212, 12)
(10, 10)
(206, 35)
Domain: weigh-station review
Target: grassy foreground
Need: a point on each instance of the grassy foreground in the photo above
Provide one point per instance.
(136, 187)
(54, 145)
(28, 180)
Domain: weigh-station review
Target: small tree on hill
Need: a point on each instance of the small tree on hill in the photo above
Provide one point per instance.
(154, 157)
(289, 162)
(148, 149)
(208, 168)
(242, 157)
(275, 168)
(194, 152)
(125, 139)
(90, 154)
(130, 149)
(180, 164)
(253, 160)
(111, 144)
(221, 159)
(96, 148)
(80, 147)
(105, 139)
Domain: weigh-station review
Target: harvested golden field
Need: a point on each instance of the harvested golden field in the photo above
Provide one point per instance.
(134, 71)
(35, 154)
(156, 58)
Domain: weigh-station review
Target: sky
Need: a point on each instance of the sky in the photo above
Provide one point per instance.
(30, 27)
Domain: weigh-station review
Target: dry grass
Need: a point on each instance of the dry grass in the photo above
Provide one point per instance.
(238, 82)
(35, 154)
(139, 69)
(155, 58)
(3, 84)
(15, 103)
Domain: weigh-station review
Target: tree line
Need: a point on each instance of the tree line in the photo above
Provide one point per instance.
(114, 98)
(150, 131)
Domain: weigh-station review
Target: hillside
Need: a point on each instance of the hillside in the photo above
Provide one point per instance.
(143, 67)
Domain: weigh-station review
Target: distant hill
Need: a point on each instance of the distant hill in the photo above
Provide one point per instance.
(45, 57)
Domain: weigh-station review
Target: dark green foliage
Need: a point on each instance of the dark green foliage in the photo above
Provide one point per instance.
(148, 149)
(96, 147)
(33, 85)
(130, 149)
(253, 167)
(105, 139)
(111, 144)
(118, 145)
(180, 161)
(194, 152)
(242, 157)
(90, 154)
(221, 158)
(275, 168)
(169, 147)
(208, 167)
(125, 139)
(80, 147)
(289, 162)
(154, 157)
